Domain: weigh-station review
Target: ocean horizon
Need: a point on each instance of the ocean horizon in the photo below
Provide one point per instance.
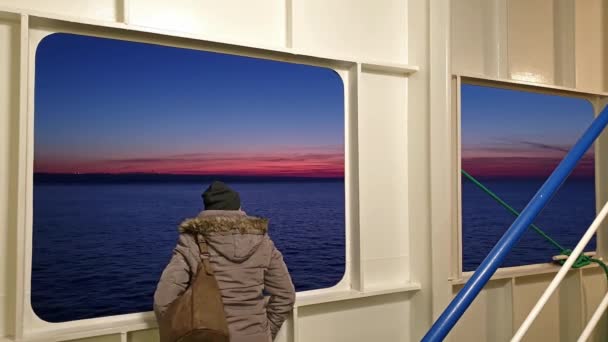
(99, 248)
(100, 244)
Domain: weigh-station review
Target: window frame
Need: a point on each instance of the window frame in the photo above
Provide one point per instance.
(598, 102)
(32, 327)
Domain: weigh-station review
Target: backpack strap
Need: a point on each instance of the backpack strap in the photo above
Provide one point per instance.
(204, 250)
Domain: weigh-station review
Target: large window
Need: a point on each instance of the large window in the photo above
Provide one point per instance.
(127, 136)
(511, 142)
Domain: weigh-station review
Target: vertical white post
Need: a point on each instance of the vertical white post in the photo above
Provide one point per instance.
(565, 47)
(496, 54)
(21, 205)
(289, 24)
(123, 11)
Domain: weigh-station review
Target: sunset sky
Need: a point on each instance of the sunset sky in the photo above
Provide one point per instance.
(507, 133)
(106, 106)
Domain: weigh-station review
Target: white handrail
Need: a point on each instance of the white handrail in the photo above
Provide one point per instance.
(560, 275)
(594, 319)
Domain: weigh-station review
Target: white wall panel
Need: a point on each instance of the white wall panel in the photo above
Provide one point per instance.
(540, 41)
(503, 305)
(490, 317)
(591, 45)
(382, 318)
(531, 40)
(107, 338)
(144, 336)
(560, 319)
(89, 9)
(383, 187)
(359, 29)
(594, 289)
(469, 35)
(252, 21)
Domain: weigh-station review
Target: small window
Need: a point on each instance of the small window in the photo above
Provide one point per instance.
(127, 135)
(511, 142)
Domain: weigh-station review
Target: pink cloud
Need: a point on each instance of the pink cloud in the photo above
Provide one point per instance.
(297, 163)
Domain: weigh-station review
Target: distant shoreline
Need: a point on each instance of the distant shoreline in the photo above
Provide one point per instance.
(130, 178)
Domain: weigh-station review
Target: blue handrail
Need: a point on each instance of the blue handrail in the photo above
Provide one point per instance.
(484, 272)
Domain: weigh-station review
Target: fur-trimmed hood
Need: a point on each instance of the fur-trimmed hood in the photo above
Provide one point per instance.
(232, 234)
(224, 225)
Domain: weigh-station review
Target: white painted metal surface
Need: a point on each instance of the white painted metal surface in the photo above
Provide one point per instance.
(401, 61)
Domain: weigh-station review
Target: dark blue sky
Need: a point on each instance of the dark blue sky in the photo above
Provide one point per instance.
(106, 105)
(493, 113)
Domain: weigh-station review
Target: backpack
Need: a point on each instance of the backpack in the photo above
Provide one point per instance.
(198, 314)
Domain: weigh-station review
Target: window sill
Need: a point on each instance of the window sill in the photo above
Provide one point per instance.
(123, 324)
(327, 296)
(517, 272)
(92, 327)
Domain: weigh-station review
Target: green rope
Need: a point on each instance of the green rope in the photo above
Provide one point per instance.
(582, 260)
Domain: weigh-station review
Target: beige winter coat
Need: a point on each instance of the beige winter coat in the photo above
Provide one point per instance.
(245, 262)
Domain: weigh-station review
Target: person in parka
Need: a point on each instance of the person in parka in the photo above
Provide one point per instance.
(246, 264)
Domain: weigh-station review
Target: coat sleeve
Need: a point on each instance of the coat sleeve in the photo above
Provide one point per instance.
(279, 286)
(173, 282)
